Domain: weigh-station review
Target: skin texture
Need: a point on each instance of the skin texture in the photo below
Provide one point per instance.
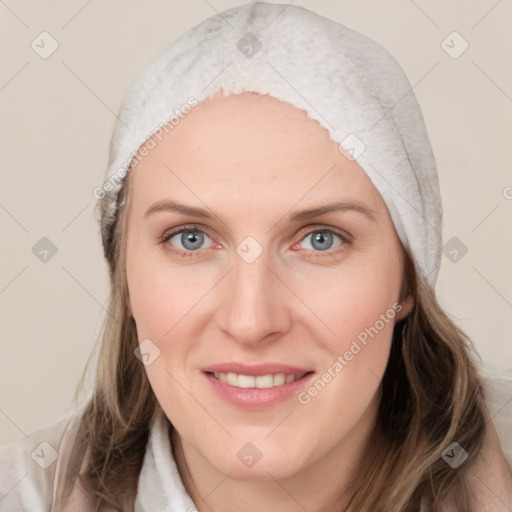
(254, 160)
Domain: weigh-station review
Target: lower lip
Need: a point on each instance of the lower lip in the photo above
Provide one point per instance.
(257, 398)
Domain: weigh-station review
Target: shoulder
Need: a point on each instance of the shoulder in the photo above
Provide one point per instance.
(498, 399)
(28, 468)
(490, 477)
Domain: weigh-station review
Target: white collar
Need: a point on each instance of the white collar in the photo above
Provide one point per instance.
(160, 488)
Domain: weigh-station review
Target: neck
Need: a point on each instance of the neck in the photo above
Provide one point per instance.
(323, 485)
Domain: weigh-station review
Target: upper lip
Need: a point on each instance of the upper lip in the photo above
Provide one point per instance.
(255, 369)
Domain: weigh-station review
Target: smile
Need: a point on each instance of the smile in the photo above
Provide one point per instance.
(256, 387)
(259, 381)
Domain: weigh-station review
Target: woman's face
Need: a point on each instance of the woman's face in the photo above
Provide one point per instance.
(266, 326)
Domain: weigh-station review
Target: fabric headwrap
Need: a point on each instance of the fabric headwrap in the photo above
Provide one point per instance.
(348, 83)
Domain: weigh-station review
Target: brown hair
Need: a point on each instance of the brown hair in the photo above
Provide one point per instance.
(431, 396)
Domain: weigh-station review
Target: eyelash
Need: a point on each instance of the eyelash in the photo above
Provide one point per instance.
(346, 240)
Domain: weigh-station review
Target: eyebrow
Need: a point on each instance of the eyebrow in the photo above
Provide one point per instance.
(168, 205)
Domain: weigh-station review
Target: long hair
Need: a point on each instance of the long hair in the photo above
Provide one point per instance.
(431, 396)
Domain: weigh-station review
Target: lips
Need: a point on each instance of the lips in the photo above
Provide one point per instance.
(256, 386)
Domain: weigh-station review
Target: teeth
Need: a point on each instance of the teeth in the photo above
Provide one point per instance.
(264, 381)
(280, 379)
(261, 381)
(246, 381)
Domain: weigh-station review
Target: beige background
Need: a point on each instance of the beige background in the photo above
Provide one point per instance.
(57, 117)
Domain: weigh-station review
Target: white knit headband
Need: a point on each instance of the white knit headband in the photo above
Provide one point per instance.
(347, 82)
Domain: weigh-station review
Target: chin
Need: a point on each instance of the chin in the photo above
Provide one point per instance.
(250, 463)
(259, 472)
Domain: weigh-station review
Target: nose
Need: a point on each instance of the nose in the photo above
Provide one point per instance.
(256, 303)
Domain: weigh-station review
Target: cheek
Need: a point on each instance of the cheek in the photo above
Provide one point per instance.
(362, 314)
(160, 294)
(356, 298)
(360, 307)
(167, 303)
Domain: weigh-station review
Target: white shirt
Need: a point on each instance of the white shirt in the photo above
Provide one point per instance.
(32, 477)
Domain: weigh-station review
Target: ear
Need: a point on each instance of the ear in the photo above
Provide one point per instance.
(407, 306)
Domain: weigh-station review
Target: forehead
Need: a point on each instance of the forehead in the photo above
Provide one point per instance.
(252, 129)
(247, 146)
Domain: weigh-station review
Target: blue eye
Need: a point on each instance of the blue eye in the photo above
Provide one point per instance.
(322, 240)
(192, 239)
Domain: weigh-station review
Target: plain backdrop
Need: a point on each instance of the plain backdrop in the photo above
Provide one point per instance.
(58, 113)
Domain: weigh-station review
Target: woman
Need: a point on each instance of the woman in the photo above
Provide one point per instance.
(271, 219)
